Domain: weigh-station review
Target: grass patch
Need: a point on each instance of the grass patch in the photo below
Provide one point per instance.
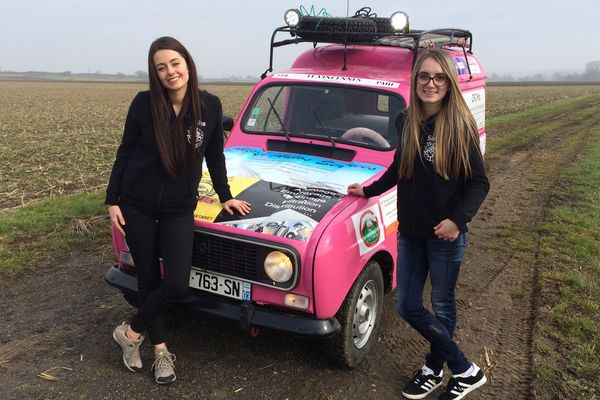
(504, 138)
(570, 283)
(48, 229)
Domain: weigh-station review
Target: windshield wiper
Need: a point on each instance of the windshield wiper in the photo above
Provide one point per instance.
(287, 135)
(321, 123)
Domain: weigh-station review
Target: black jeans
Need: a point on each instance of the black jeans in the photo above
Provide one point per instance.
(147, 232)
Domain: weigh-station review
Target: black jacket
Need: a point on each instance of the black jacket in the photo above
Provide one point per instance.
(138, 177)
(427, 199)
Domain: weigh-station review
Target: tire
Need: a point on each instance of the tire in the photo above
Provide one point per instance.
(359, 316)
(317, 28)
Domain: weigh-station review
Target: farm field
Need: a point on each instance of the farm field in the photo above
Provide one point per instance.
(514, 320)
(61, 138)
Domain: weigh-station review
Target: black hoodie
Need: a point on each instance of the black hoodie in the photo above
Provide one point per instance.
(138, 177)
(427, 199)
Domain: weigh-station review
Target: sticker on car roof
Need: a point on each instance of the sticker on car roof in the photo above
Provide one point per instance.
(350, 80)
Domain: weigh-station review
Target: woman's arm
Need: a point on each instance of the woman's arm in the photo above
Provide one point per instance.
(476, 189)
(215, 161)
(215, 158)
(131, 133)
(385, 181)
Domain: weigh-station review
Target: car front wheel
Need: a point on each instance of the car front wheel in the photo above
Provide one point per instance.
(359, 316)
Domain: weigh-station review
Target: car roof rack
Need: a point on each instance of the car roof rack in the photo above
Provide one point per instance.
(413, 40)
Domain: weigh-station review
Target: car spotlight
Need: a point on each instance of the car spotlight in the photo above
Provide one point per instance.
(292, 17)
(399, 21)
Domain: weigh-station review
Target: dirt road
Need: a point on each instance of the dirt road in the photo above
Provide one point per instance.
(59, 318)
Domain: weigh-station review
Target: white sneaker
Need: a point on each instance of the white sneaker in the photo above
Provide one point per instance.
(164, 367)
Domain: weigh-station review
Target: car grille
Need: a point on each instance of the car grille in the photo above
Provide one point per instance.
(227, 256)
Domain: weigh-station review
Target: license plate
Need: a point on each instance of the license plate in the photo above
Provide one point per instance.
(219, 284)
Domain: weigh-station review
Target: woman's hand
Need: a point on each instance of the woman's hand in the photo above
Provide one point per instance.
(446, 230)
(243, 207)
(356, 189)
(116, 218)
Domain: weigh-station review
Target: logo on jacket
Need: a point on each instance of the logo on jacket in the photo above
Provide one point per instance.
(429, 148)
(199, 134)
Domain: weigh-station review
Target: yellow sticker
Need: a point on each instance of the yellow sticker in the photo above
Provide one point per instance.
(209, 206)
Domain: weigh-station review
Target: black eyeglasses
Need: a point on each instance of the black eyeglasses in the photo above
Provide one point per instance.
(439, 80)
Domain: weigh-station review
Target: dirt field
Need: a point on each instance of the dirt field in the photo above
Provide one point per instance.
(60, 318)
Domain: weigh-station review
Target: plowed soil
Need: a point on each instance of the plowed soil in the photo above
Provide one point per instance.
(58, 319)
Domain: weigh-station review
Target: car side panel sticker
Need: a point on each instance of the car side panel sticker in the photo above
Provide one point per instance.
(475, 100)
(368, 227)
(389, 211)
(461, 66)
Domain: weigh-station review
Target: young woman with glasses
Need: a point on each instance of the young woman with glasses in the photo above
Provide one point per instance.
(441, 182)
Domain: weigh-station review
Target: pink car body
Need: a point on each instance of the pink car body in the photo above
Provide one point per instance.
(329, 237)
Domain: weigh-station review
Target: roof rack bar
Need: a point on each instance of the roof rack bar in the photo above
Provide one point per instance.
(413, 40)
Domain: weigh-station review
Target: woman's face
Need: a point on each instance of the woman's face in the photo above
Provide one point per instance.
(171, 69)
(431, 93)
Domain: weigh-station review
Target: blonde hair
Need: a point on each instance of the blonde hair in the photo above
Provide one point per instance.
(455, 130)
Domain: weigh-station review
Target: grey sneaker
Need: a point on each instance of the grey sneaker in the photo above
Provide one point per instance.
(131, 349)
(164, 367)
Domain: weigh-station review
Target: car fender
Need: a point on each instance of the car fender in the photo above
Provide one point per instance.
(341, 254)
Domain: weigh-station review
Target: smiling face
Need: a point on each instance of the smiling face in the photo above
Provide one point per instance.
(172, 70)
(431, 95)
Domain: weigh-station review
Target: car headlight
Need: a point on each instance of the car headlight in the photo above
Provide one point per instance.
(278, 266)
(292, 17)
(399, 21)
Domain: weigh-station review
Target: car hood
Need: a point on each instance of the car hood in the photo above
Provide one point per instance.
(289, 193)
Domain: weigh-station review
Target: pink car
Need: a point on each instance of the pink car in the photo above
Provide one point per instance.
(310, 259)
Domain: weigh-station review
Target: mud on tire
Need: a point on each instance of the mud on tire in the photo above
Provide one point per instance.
(359, 316)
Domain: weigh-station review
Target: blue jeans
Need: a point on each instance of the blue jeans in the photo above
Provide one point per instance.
(418, 257)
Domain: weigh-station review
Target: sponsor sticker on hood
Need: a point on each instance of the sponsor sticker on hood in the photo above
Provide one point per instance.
(289, 193)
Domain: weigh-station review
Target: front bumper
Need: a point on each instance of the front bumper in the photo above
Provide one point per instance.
(248, 314)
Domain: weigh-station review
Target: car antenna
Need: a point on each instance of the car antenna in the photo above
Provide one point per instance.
(320, 123)
(287, 134)
(467, 62)
(344, 67)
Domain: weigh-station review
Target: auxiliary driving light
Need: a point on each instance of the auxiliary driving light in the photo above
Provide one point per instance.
(278, 266)
(399, 21)
(292, 17)
(296, 301)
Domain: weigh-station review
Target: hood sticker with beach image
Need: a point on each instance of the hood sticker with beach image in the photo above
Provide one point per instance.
(289, 193)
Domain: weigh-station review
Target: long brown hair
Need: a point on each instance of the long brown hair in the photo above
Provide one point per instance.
(455, 130)
(171, 137)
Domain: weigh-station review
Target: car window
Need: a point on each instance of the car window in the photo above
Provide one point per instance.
(344, 114)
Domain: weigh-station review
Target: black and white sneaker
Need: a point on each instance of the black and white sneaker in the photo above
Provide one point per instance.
(458, 387)
(423, 382)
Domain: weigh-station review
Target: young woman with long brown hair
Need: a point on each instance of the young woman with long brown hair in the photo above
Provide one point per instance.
(441, 183)
(153, 191)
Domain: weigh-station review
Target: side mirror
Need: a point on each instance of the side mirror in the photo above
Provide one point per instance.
(227, 123)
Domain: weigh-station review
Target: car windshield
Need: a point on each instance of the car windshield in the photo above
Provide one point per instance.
(350, 115)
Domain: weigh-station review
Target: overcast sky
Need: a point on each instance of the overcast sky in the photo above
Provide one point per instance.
(231, 37)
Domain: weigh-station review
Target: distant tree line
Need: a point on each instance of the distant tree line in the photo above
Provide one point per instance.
(590, 74)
